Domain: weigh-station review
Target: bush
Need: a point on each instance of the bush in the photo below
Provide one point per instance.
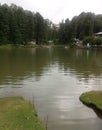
(98, 41)
(92, 40)
(88, 40)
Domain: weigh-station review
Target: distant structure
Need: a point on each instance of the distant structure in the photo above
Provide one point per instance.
(50, 42)
(32, 42)
(99, 34)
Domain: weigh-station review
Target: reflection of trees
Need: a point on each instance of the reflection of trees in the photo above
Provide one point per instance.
(21, 63)
(81, 62)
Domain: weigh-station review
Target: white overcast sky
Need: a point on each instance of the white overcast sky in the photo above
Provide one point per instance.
(56, 10)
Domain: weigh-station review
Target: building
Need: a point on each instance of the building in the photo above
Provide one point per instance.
(99, 34)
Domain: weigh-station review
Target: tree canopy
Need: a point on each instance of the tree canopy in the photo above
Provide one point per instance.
(86, 24)
(19, 26)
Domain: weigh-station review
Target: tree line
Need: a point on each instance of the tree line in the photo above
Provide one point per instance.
(19, 26)
(86, 25)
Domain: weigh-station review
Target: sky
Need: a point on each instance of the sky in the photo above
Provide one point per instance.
(58, 10)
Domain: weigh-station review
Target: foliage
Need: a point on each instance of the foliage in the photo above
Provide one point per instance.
(19, 26)
(94, 41)
(18, 114)
(89, 40)
(82, 26)
(98, 41)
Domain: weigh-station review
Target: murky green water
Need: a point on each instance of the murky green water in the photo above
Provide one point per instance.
(53, 79)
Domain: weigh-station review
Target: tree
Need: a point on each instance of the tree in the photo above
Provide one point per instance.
(98, 23)
(62, 32)
(19, 26)
(39, 28)
(4, 23)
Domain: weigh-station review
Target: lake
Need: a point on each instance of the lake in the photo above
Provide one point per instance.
(53, 79)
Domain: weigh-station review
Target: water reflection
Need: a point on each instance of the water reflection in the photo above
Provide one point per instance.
(53, 79)
(20, 63)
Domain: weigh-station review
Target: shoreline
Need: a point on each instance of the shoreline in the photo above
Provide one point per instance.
(17, 113)
(93, 99)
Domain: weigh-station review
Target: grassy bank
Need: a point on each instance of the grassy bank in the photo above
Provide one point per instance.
(10, 46)
(18, 114)
(92, 98)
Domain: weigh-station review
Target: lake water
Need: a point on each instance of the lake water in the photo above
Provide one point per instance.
(53, 79)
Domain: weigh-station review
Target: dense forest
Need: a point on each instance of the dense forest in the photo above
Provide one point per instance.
(19, 26)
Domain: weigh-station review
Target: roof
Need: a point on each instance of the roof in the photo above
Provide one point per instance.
(99, 33)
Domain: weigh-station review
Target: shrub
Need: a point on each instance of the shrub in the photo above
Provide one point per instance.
(92, 40)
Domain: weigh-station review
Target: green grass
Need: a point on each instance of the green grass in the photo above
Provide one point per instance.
(18, 114)
(92, 98)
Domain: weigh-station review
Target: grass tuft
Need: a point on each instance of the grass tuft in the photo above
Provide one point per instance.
(18, 114)
(92, 98)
